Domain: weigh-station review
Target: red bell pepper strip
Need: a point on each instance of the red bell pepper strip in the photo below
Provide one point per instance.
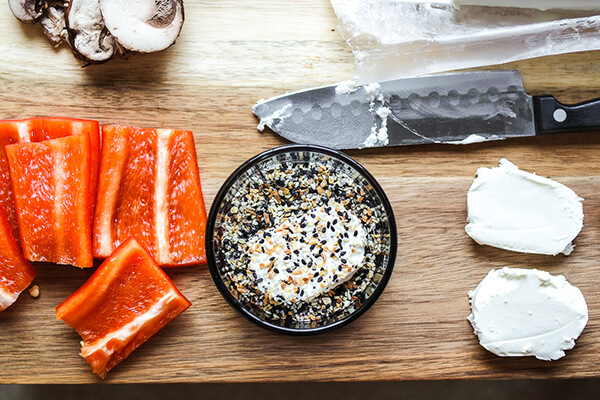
(16, 273)
(126, 301)
(149, 188)
(50, 181)
(37, 130)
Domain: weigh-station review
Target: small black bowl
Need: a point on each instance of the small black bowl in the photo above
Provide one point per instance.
(231, 222)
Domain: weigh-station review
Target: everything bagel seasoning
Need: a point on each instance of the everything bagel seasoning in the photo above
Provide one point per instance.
(300, 240)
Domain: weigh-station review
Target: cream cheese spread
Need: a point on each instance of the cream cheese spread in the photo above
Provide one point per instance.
(527, 312)
(474, 138)
(520, 211)
(346, 87)
(304, 257)
(270, 120)
(379, 132)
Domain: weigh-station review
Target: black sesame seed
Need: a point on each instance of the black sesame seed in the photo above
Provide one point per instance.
(275, 270)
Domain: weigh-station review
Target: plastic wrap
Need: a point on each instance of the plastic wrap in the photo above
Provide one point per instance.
(395, 39)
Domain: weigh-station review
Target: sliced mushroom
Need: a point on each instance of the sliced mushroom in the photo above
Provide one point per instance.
(88, 35)
(143, 25)
(53, 22)
(28, 11)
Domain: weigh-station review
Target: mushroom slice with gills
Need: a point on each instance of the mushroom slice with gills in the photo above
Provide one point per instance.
(53, 22)
(143, 25)
(27, 11)
(88, 35)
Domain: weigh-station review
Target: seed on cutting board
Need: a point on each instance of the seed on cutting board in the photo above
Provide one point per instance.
(34, 291)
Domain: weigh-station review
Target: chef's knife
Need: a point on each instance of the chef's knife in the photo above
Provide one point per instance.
(457, 108)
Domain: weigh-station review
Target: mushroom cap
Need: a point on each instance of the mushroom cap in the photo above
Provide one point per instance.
(143, 25)
(88, 36)
(28, 11)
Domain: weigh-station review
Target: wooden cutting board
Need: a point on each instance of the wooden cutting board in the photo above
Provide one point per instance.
(229, 55)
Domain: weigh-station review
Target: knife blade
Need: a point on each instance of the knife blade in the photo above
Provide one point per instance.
(455, 108)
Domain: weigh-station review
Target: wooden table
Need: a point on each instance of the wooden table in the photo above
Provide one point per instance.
(230, 54)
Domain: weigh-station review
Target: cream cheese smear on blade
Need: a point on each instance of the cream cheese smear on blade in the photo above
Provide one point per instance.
(521, 211)
(527, 312)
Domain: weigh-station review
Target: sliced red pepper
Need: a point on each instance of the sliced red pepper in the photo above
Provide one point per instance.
(37, 130)
(50, 180)
(149, 188)
(126, 301)
(16, 273)
(9, 134)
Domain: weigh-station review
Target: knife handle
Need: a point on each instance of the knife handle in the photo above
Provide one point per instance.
(551, 116)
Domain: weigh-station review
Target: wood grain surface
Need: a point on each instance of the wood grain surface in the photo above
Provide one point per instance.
(230, 54)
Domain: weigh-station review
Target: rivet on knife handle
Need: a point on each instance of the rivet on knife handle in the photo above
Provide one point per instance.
(551, 116)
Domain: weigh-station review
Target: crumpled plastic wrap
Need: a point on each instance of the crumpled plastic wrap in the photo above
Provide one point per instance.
(395, 39)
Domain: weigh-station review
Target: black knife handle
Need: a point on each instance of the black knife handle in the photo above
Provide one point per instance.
(551, 116)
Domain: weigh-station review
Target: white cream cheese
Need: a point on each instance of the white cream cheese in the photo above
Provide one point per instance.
(520, 211)
(527, 312)
(307, 256)
(474, 138)
(277, 115)
(346, 87)
(379, 132)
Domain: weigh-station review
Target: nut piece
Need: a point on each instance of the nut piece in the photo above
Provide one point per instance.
(87, 33)
(28, 11)
(34, 291)
(143, 25)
